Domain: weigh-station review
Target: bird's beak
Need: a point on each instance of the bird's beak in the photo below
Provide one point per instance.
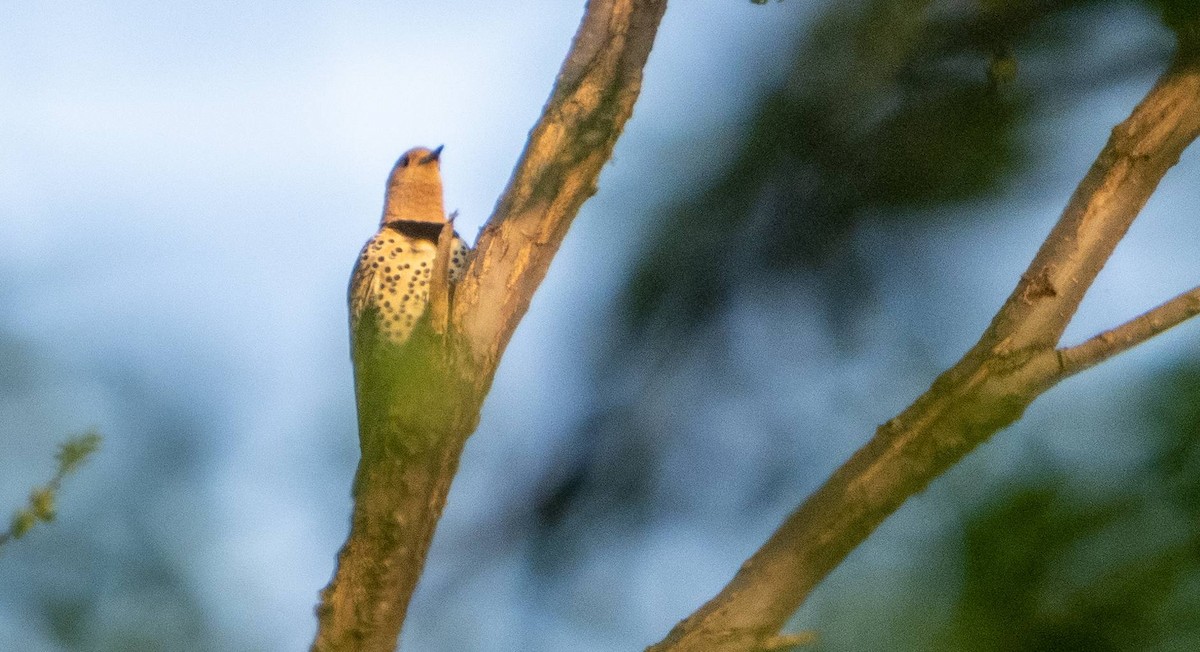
(434, 155)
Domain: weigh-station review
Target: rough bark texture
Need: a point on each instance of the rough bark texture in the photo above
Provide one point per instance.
(593, 97)
(409, 457)
(1014, 361)
(419, 403)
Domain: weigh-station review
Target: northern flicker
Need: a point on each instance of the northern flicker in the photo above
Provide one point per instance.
(391, 277)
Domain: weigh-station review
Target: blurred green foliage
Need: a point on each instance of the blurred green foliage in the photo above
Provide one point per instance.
(70, 456)
(894, 111)
(113, 574)
(1183, 17)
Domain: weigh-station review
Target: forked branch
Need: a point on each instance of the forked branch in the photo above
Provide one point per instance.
(1014, 361)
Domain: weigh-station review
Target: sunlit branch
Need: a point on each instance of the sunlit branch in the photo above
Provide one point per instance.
(592, 99)
(1120, 182)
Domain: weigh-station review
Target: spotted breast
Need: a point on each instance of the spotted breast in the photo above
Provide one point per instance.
(391, 277)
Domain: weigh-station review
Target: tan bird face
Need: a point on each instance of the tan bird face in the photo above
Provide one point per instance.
(414, 190)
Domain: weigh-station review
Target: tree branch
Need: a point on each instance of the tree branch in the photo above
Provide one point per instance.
(989, 388)
(1138, 153)
(419, 402)
(439, 281)
(593, 97)
(1133, 332)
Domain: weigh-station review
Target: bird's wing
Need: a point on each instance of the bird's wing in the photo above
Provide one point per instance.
(364, 283)
(459, 257)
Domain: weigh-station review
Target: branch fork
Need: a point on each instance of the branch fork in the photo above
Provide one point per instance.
(1015, 360)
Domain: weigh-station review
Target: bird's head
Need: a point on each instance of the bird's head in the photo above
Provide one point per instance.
(414, 189)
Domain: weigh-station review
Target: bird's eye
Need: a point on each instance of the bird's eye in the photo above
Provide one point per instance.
(403, 162)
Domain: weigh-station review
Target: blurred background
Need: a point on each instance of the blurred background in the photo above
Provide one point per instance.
(816, 208)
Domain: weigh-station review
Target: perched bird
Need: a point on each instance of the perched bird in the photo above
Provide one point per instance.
(392, 274)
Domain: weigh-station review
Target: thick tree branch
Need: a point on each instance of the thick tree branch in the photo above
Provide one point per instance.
(1133, 332)
(593, 97)
(1137, 155)
(418, 403)
(1013, 362)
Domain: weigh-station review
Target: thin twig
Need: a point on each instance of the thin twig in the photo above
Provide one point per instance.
(41, 507)
(789, 641)
(1167, 315)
